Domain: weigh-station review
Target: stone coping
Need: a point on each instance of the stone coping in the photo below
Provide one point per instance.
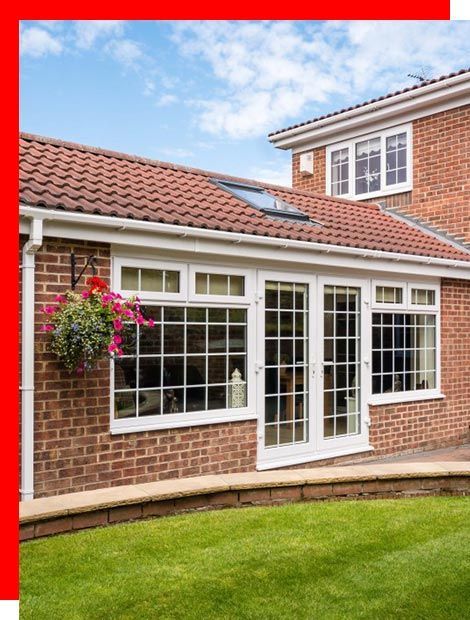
(70, 504)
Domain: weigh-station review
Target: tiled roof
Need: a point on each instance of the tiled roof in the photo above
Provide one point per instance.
(360, 105)
(71, 177)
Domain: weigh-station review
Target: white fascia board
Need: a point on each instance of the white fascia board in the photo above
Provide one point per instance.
(174, 238)
(404, 107)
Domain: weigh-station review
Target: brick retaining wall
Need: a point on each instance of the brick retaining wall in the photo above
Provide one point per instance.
(77, 511)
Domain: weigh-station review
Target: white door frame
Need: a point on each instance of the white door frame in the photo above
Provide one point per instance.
(284, 455)
(349, 444)
(316, 448)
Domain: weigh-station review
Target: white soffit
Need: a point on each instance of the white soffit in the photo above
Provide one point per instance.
(196, 242)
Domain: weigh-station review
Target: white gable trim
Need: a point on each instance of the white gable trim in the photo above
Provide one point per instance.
(405, 107)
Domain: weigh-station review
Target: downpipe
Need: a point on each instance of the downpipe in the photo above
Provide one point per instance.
(27, 358)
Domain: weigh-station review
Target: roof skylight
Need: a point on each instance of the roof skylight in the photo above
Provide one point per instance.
(264, 201)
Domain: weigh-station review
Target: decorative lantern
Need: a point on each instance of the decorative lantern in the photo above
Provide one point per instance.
(237, 390)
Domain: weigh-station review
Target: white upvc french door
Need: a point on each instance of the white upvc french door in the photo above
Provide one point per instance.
(311, 368)
(286, 366)
(343, 342)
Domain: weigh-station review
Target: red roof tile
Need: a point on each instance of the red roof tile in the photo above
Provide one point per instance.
(72, 177)
(364, 103)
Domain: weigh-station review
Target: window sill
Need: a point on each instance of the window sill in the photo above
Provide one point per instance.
(141, 425)
(380, 194)
(389, 399)
(310, 458)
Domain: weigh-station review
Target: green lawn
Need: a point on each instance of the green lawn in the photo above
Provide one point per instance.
(377, 559)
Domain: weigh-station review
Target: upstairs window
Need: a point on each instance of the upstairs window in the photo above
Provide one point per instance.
(264, 201)
(396, 155)
(370, 166)
(340, 172)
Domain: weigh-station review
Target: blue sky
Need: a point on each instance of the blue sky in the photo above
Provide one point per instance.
(206, 94)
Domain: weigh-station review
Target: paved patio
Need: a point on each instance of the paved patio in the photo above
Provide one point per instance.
(456, 453)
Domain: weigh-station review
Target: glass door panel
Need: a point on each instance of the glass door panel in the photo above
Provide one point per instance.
(341, 361)
(286, 363)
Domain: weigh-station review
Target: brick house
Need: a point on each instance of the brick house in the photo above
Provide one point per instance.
(411, 148)
(294, 327)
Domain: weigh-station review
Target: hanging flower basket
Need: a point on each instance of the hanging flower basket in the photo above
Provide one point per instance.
(86, 327)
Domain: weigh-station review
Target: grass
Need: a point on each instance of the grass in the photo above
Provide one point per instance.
(379, 559)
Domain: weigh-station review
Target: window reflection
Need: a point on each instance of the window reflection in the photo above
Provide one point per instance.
(193, 359)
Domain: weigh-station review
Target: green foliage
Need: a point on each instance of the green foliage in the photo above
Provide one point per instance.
(86, 327)
(82, 331)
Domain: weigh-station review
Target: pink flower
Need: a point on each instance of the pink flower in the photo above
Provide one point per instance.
(129, 313)
(112, 347)
(140, 319)
(151, 323)
(47, 328)
(86, 294)
(117, 339)
(107, 297)
(61, 299)
(119, 352)
(117, 324)
(49, 309)
(116, 307)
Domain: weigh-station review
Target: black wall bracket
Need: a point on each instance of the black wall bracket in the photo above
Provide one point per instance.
(90, 262)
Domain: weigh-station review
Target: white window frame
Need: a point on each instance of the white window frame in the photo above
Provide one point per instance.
(422, 287)
(407, 308)
(248, 274)
(385, 190)
(119, 263)
(184, 298)
(388, 305)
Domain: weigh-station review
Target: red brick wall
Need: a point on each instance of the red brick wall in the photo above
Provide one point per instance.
(435, 423)
(441, 173)
(75, 451)
(315, 182)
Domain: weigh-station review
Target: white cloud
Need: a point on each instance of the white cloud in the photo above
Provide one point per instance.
(37, 42)
(50, 24)
(89, 31)
(166, 99)
(149, 87)
(274, 173)
(273, 73)
(126, 52)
